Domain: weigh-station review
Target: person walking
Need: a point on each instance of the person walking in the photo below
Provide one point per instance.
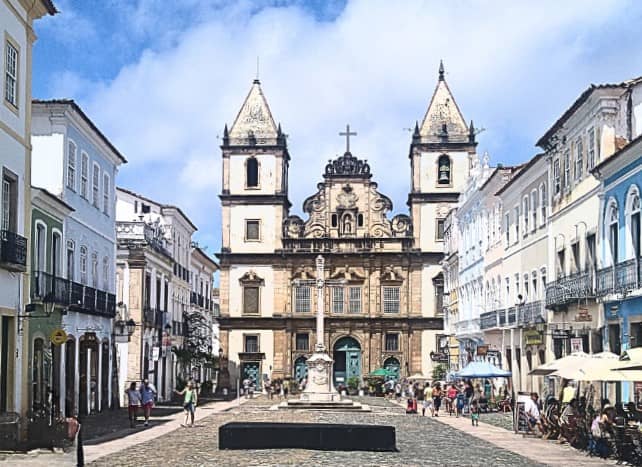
(436, 398)
(190, 399)
(474, 413)
(133, 403)
(451, 397)
(461, 402)
(148, 394)
(427, 400)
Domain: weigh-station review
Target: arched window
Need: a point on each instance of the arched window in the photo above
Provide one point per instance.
(334, 220)
(443, 170)
(360, 220)
(633, 222)
(56, 245)
(83, 265)
(252, 173)
(612, 223)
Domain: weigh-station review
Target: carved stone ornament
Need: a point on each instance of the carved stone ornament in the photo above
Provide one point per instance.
(293, 227)
(347, 166)
(402, 226)
(347, 198)
(250, 277)
(391, 274)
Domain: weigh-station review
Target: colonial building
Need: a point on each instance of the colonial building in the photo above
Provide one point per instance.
(74, 161)
(153, 278)
(16, 26)
(619, 279)
(383, 300)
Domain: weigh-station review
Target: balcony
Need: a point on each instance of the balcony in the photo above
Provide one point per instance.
(85, 299)
(467, 327)
(512, 316)
(531, 313)
(143, 234)
(13, 251)
(346, 245)
(149, 316)
(622, 278)
(489, 319)
(570, 289)
(47, 287)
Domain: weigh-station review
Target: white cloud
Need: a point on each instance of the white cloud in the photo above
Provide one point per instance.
(512, 66)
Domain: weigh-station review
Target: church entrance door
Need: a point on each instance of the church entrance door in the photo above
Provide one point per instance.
(347, 360)
(300, 369)
(250, 370)
(392, 365)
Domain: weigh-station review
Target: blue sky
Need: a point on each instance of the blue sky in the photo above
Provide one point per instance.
(161, 78)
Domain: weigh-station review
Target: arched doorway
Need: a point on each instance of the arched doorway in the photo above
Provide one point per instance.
(70, 372)
(300, 368)
(393, 366)
(347, 360)
(105, 376)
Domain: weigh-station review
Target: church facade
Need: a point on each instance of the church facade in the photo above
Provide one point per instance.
(383, 285)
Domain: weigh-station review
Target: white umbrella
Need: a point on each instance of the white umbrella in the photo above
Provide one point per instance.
(570, 361)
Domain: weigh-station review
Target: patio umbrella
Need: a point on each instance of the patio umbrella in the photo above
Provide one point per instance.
(570, 361)
(596, 367)
(482, 370)
(381, 372)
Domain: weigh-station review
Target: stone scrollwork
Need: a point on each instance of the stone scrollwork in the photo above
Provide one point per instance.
(293, 227)
(402, 226)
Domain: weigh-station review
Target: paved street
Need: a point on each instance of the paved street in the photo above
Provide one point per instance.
(420, 440)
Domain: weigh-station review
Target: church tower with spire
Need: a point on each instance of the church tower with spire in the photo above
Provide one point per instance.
(440, 153)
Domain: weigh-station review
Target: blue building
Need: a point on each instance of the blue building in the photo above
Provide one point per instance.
(619, 281)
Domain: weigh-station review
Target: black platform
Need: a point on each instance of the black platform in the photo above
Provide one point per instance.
(320, 436)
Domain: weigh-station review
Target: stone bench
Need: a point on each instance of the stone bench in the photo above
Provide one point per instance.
(319, 436)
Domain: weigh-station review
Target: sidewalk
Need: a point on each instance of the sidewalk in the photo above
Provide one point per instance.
(112, 442)
(539, 450)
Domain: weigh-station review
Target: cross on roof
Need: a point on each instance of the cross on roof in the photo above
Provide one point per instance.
(347, 134)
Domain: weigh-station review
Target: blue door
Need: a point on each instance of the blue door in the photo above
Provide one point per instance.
(300, 369)
(347, 360)
(250, 370)
(392, 365)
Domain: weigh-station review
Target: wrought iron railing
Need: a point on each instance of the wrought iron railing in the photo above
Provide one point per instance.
(570, 288)
(622, 278)
(47, 287)
(86, 299)
(327, 244)
(488, 320)
(13, 251)
(531, 313)
(512, 316)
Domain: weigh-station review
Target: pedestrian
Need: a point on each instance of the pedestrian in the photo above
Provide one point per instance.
(474, 413)
(277, 388)
(469, 392)
(461, 402)
(285, 390)
(398, 391)
(451, 397)
(268, 388)
(427, 400)
(190, 399)
(246, 387)
(436, 398)
(133, 402)
(147, 393)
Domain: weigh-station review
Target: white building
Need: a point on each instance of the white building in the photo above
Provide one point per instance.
(73, 160)
(154, 243)
(16, 25)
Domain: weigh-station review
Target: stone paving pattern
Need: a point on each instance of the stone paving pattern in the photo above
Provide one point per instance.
(420, 440)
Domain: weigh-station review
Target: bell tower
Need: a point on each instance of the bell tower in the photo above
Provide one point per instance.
(440, 153)
(254, 197)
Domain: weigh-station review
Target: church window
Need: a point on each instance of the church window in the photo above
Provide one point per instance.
(443, 175)
(556, 176)
(360, 220)
(302, 299)
(251, 343)
(252, 173)
(302, 341)
(440, 230)
(355, 300)
(334, 220)
(392, 342)
(337, 299)
(391, 296)
(252, 230)
(250, 299)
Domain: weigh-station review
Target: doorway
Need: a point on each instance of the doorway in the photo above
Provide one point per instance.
(347, 360)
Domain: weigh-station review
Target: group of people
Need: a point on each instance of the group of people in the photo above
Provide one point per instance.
(573, 420)
(140, 396)
(143, 396)
(277, 388)
(458, 398)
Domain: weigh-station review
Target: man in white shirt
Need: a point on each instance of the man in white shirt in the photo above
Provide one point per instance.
(532, 413)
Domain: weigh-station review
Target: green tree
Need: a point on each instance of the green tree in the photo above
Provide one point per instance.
(439, 372)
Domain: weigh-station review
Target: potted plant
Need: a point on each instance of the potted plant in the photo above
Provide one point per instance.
(353, 385)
